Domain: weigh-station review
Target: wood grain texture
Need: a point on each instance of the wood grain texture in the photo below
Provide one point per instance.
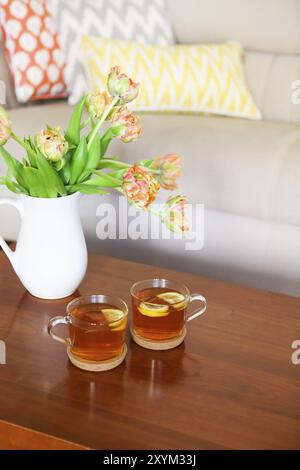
(14, 437)
(231, 385)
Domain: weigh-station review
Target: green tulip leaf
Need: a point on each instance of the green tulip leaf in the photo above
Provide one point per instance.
(14, 187)
(85, 175)
(104, 180)
(94, 154)
(60, 164)
(87, 189)
(73, 132)
(78, 162)
(93, 158)
(65, 171)
(35, 182)
(106, 140)
(112, 164)
(51, 179)
(118, 174)
(30, 155)
(15, 168)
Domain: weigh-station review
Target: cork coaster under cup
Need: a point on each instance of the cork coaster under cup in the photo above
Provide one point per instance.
(158, 345)
(93, 366)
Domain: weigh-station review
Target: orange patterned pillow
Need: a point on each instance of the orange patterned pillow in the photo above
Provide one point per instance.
(32, 50)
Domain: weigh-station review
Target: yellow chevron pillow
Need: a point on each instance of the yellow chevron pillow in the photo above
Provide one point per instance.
(205, 78)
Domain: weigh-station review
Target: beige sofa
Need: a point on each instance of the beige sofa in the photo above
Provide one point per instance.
(246, 173)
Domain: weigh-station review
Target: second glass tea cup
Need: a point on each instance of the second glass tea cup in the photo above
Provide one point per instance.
(160, 313)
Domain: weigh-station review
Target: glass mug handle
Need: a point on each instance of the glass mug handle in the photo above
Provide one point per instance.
(53, 323)
(196, 314)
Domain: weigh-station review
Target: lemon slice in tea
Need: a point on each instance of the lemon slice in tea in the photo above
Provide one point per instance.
(153, 310)
(113, 316)
(173, 298)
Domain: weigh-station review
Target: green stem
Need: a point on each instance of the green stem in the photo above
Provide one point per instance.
(23, 144)
(101, 121)
(147, 167)
(105, 163)
(107, 176)
(105, 141)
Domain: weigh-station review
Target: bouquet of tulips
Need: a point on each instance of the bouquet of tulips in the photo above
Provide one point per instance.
(58, 164)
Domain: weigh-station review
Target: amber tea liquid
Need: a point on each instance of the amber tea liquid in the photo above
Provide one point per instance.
(158, 313)
(97, 332)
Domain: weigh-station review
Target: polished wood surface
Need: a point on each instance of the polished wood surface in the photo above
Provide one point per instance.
(14, 437)
(231, 384)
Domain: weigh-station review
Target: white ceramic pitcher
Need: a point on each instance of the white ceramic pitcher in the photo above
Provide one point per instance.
(51, 255)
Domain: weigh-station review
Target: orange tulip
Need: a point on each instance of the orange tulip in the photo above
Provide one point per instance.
(97, 103)
(169, 167)
(126, 125)
(174, 214)
(140, 187)
(122, 86)
(51, 144)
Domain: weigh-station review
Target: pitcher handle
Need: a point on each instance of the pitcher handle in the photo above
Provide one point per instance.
(12, 256)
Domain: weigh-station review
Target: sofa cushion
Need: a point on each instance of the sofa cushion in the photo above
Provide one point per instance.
(245, 167)
(272, 80)
(248, 168)
(268, 25)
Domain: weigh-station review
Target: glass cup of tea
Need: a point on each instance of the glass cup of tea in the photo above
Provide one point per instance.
(97, 327)
(159, 313)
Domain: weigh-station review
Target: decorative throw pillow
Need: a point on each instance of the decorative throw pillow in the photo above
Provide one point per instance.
(204, 78)
(32, 50)
(145, 21)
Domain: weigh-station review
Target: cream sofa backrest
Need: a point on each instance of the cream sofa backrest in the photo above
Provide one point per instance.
(269, 30)
(261, 25)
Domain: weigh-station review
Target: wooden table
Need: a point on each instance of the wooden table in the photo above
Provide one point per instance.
(231, 385)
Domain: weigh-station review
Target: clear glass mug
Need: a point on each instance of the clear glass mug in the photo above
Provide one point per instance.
(97, 327)
(159, 312)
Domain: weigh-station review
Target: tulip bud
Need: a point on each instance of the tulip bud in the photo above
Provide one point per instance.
(169, 167)
(140, 187)
(51, 144)
(174, 214)
(126, 125)
(122, 86)
(5, 126)
(97, 103)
